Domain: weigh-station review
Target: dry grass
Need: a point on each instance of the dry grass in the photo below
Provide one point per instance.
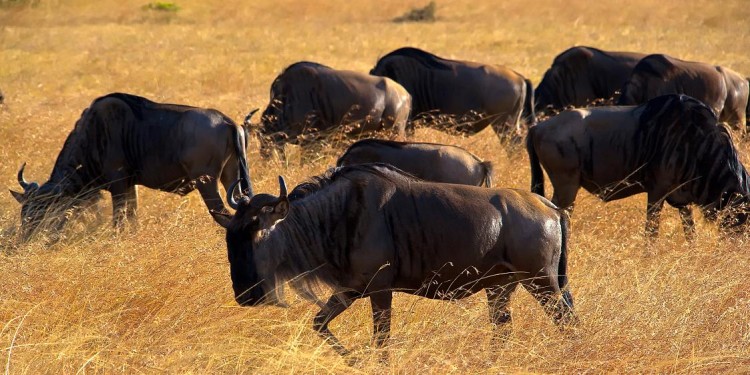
(159, 300)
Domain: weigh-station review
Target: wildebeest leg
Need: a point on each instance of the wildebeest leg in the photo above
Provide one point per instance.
(497, 302)
(688, 225)
(131, 204)
(335, 306)
(546, 289)
(381, 317)
(123, 195)
(209, 189)
(566, 186)
(653, 214)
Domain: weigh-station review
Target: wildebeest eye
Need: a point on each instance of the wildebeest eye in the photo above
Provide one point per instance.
(266, 209)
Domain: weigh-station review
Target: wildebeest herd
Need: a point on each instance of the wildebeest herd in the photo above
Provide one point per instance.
(377, 222)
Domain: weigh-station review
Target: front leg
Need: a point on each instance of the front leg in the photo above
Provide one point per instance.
(688, 225)
(335, 306)
(381, 317)
(653, 214)
(124, 203)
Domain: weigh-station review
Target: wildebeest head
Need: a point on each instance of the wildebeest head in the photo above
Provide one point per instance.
(37, 204)
(253, 267)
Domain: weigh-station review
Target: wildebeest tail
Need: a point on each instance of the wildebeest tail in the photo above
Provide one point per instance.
(528, 113)
(487, 166)
(240, 147)
(537, 175)
(562, 267)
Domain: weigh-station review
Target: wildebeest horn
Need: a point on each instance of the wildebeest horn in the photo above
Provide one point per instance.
(282, 187)
(250, 116)
(25, 185)
(230, 195)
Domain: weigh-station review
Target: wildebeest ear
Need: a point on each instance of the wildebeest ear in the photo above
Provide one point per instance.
(222, 218)
(281, 209)
(19, 196)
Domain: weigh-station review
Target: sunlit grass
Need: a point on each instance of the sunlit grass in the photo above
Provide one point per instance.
(159, 299)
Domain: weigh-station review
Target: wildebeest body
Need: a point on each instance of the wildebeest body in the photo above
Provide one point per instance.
(123, 140)
(369, 230)
(670, 148)
(454, 87)
(428, 161)
(580, 75)
(308, 98)
(722, 89)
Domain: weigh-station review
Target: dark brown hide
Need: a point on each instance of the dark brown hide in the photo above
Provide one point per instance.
(722, 89)
(427, 161)
(670, 148)
(310, 100)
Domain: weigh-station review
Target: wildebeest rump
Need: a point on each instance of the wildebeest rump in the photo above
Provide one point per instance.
(722, 89)
(671, 148)
(501, 95)
(369, 230)
(310, 98)
(580, 75)
(428, 161)
(124, 140)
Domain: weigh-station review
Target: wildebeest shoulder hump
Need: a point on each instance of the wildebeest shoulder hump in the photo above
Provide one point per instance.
(423, 57)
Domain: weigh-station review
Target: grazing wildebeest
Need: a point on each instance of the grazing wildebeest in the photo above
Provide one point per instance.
(722, 89)
(369, 230)
(428, 161)
(454, 87)
(670, 148)
(581, 75)
(124, 140)
(310, 98)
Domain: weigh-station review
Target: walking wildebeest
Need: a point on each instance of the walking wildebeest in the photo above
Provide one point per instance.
(124, 140)
(310, 98)
(369, 230)
(722, 89)
(581, 75)
(428, 161)
(455, 87)
(671, 148)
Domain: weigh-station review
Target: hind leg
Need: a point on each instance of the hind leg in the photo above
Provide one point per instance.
(545, 289)
(688, 225)
(566, 186)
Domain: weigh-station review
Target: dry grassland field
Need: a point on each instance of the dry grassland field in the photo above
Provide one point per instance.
(159, 299)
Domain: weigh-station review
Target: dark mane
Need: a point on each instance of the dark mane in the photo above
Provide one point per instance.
(306, 63)
(674, 128)
(317, 183)
(423, 57)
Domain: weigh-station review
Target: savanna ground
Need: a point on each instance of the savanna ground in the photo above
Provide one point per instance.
(160, 299)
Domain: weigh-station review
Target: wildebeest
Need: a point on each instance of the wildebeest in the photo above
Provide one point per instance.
(123, 140)
(428, 161)
(369, 230)
(310, 98)
(722, 89)
(671, 148)
(580, 75)
(503, 96)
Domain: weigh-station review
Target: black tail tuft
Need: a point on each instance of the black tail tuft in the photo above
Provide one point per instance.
(537, 175)
(240, 150)
(528, 113)
(562, 267)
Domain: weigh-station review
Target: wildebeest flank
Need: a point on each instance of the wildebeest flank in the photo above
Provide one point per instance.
(503, 96)
(312, 99)
(722, 89)
(581, 75)
(124, 140)
(369, 230)
(428, 161)
(671, 148)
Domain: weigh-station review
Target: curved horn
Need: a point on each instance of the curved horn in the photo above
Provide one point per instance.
(25, 185)
(250, 116)
(282, 187)
(230, 195)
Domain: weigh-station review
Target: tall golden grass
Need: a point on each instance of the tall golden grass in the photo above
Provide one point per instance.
(159, 299)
